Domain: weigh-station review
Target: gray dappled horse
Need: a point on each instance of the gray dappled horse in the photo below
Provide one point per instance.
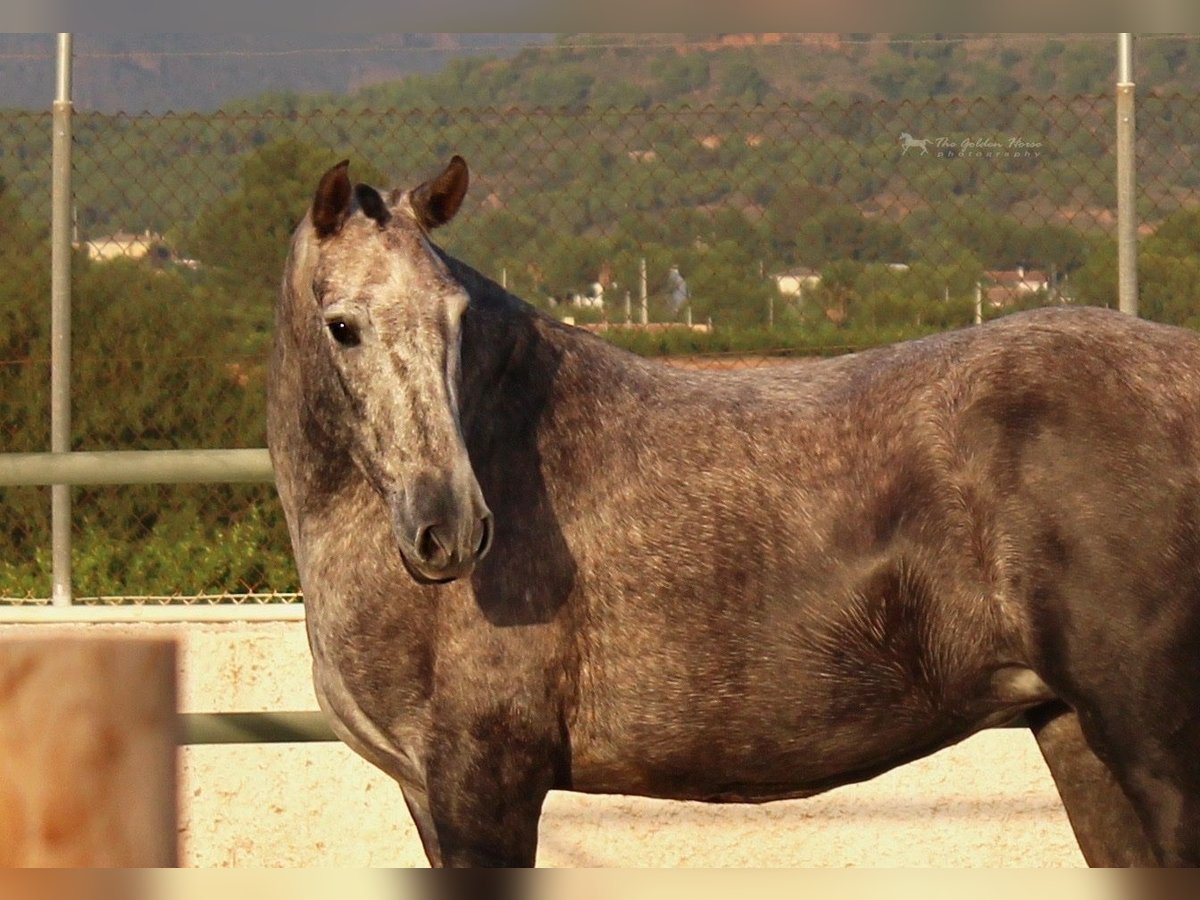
(531, 560)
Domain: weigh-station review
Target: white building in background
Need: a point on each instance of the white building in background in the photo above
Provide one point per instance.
(794, 282)
(123, 245)
(1005, 286)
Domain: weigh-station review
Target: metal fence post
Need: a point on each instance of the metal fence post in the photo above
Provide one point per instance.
(642, 292)
(60, 321)
(1127, 239)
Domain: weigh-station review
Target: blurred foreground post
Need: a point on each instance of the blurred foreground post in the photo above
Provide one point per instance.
(88, 735)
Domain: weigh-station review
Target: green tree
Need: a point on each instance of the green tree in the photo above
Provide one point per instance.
(24, 281)
(743, 82)
(1010, 56)
(993, 81)
(1178, 235)
(159, 361)
(1087, 69)
(243, 237)
(679, 75)
(898, 78)
(559, 89)
(24, 331)
(844, 233)
(1169, 289)
(1168, 272)
(1002, 242)
(619, 95)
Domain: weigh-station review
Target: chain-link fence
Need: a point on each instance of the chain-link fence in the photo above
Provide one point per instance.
(796, 229)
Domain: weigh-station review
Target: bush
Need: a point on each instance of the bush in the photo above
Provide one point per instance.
(182, 554)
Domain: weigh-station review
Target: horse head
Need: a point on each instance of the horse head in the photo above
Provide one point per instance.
(380, 329)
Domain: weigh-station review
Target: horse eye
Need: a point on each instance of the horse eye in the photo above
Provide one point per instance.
(343, 332)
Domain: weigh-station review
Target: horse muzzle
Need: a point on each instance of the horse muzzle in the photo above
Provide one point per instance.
(442, 526)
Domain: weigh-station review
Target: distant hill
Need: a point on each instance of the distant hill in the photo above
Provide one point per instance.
(697, 69)
(190, 72)
(158, 73)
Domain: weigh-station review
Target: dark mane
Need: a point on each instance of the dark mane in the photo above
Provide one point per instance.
(505, 338)
(501, 307)
(486, 295)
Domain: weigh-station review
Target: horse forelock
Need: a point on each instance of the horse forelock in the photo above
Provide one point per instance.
(301, 263)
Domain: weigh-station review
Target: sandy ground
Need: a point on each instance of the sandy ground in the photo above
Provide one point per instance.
(986, 802)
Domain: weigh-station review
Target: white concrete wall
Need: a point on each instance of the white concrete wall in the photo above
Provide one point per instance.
(986, 802)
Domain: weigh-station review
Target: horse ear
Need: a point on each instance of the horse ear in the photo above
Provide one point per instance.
(436, 201)
(331, 205)
(372, 204)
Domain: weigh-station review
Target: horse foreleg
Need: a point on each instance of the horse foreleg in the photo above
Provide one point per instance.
(418, 806)
(487, 780)
(1104, 821)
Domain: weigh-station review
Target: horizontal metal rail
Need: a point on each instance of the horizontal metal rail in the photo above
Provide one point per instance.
(297, 726)
(136, 467)
(284, 727)
(204, 613)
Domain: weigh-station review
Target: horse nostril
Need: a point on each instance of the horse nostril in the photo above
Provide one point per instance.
(438, 547)
(485, 537)
(431, 546)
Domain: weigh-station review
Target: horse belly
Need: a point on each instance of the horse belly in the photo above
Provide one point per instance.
(734, 760)
(792, 735)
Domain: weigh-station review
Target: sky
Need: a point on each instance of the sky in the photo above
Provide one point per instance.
(613, 15)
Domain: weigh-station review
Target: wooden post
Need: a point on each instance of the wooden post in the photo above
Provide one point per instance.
(88, 735)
